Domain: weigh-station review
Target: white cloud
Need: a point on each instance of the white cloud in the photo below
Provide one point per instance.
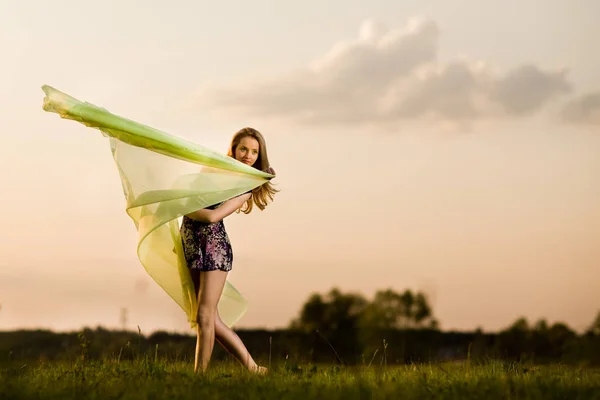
(391, 75)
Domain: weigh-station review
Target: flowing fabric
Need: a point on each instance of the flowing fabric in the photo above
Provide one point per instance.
(163, 178)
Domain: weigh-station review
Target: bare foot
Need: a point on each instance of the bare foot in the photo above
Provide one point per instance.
(262, 370)
(259, 370)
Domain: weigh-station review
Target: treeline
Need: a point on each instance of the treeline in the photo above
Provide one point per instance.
(336, 327)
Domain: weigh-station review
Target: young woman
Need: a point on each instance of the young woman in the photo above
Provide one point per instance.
(209, 255)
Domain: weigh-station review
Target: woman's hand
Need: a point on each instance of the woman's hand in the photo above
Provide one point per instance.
(227, 208)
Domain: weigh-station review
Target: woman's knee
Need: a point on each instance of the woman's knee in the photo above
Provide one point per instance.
(206, 316)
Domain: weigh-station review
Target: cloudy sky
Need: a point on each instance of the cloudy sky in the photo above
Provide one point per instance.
(444, 146)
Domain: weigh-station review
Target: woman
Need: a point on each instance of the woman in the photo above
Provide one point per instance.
(209, 255)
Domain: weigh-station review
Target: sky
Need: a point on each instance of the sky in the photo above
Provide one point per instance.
(444, 147)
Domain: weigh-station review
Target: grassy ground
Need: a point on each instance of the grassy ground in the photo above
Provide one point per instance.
(170, 380)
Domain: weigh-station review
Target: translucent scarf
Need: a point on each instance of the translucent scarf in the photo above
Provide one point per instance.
(163, 178)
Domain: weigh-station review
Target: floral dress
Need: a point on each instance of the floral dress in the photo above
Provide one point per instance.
(206, 246)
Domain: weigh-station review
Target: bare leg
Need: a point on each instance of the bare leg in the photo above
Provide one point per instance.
(234, 345)
(210, 288)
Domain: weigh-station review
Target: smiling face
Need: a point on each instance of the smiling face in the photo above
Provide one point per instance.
(247, 150)
(248, 146)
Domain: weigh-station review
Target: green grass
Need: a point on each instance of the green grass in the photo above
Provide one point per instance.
(171, 380)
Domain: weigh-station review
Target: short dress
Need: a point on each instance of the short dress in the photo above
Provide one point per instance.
(206, 246)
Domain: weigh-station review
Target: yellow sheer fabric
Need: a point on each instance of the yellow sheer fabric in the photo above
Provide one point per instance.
(163, 178)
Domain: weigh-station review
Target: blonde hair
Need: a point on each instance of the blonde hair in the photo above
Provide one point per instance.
(262, 194)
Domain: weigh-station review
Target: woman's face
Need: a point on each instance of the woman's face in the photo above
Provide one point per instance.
(247, 150)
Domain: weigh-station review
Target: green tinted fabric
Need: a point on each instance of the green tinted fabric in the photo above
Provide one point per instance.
(163, 178)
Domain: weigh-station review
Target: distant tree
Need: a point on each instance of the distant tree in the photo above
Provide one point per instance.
(422, 311)
(514, 342)
(519, 326)
(561, 338)
(594, 328)
(330, 313)
(392, 310)
(350, 321)
(541, 326)
(387, 310)
(333, 318)
(590, 346)
(434, 324)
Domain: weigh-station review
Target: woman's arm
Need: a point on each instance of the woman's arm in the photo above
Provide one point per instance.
(226, 209)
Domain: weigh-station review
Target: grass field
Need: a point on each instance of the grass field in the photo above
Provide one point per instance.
(170, 380)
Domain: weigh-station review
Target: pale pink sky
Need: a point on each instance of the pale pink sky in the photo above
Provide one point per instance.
(459, 157)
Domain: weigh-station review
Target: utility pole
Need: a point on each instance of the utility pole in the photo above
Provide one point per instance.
(124, 318)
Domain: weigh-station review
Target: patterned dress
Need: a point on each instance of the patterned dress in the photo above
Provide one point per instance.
(206, 246)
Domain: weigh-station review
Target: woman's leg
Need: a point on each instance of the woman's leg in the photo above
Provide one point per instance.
(211, 285)
(234, 345)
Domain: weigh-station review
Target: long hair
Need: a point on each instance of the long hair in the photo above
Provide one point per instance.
(262, 194)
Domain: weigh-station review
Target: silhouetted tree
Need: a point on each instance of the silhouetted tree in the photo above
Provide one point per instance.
(541, 326)
(392, 310)
(513, 343)
(334, 319)
(422, 311)
(353, 324)
(331, 312)
(594, 328)
(520, 326)
(386, 311)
